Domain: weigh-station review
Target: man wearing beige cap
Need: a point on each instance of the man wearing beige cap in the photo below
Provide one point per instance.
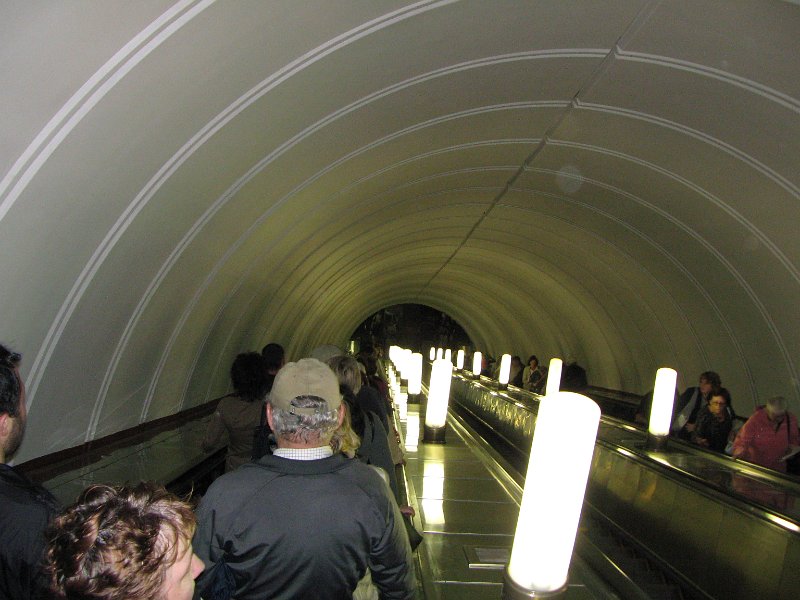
(302, 522)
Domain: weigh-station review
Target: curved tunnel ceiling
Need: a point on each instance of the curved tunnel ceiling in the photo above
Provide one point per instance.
(610, 182)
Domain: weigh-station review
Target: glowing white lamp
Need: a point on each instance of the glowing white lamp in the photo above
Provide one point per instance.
(553, 377)
(505, 370)
(438, 397)
(553, 496)
(661, 408)
(408, 362)
(401, 361)
(448, 355)
(477, 361)
(439, 353)
(415, 374)
(432, 354)
(460, 360)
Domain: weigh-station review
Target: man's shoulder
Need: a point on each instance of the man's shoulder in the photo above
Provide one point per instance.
(20, 496)
(255, 474)
(266, 477)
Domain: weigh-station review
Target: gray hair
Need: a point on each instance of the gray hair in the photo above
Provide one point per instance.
(347, 370)
(316, 428)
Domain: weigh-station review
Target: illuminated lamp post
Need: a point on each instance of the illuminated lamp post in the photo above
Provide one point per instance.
(438, 397)
(505, 370)
(661, 409)
(439, 353)
(402, 365)
(415, 378)
(460, 360)
(432, 354)
(448, 355)
(407, 360)
(553, 376)
(477, 360)
(551, 501)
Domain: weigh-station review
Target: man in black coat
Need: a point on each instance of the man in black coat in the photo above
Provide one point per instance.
(303, 522)
(26, 507)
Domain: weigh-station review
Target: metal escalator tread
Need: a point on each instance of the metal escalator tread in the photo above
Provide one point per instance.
(637, 568)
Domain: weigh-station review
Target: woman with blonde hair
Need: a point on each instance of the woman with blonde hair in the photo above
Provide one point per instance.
(374, 446)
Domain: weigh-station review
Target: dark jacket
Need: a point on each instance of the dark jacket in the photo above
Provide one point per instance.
(369, 398)
(236, 420)
(374, 449)
(709, 428)
(26, 511)
(304, 529)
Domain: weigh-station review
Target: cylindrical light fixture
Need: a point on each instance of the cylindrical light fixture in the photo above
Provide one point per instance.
(415, 377)
(448, 355)
(432, 354)
(477, 361)
(460, 360)
(439, 353)
(553, 496)
(402, 362)
(661, 409)
(407, 360)
(505, 370)
(553, 376)
(438, 398)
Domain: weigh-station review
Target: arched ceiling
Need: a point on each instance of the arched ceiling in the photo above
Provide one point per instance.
(609, 182)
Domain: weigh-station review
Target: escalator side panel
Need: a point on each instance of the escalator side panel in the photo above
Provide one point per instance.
(727, 551)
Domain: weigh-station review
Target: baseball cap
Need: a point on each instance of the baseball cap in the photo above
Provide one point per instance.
(306, 377)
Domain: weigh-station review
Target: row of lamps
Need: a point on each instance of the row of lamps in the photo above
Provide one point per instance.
(558, 468)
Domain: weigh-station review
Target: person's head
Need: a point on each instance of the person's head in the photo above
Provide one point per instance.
(717, 404)
(367, 350)
(326, 351)
(345, 439)
(533, 362)
(249, 376)
(709, 382)
(347, 371)
(305, 406)
(573, 378)
(776, 408)
(123, 543)
(13, 415)
(370, 364)
(516, 362)
(274, 357)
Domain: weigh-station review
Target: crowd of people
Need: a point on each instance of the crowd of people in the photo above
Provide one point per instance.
(309, 505)
(313, 513)
(533, 375)
(704, 415)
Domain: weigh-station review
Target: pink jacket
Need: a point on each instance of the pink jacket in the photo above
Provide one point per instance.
(761, 442)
